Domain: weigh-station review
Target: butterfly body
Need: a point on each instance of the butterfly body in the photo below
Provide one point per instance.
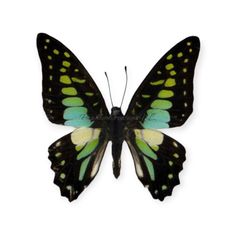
(117, 136)
(163, 100)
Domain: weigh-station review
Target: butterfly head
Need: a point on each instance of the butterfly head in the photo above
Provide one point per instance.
(116, 111)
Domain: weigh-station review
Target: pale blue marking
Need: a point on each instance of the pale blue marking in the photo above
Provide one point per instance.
(156, 119)
(154, 124)
(71, 113)
(79, 123)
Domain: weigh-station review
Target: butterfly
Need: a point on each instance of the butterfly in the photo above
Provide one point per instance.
(163, 100)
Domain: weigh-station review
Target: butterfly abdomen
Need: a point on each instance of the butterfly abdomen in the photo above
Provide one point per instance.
(116, 137)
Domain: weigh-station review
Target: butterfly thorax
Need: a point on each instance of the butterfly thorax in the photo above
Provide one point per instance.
(117, 124)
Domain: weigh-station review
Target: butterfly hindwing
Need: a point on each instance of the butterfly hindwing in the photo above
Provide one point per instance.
(76, 159)
(165, 97)
(158, 160)
(70, 95)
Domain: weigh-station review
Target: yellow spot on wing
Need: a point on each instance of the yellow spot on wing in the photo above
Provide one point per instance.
(170, 82)
(173, 72)
(77, 80)
(165, 94)
(180, 54)
(63, 70)
(55, 51)
(169, 57)
(169, 66)
(66, 63)
(67, 54)
(65, 79)
(158, 82)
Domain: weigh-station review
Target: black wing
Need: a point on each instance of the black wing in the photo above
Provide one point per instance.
(70, 96)
(165, 97)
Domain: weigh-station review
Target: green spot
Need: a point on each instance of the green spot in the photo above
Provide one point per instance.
(173, 72)
(161, 104)
(89, 94)
(170, 82)
(69, 91)
(145, 148)
(189, 43)
(185, 70)
(50, 89)
(176, 155)
(47, 40)
(58, 154)
(49, 57)
(63, 70)
(186, 60)
(165, 94)
(180, 54)
(89, 148)
(164, 187)
(65, 79)
(83, 168)
(67, 54)
(146, 96)
(50, 77)
(77, 80)
(78, 148)
(150, 168)
(158, 82)
(72, 102)
(76, 70)
(55, 51)
(95, 104)
(190, 50)
(169, 57)
(170, 176)
(45, 47)
(171, 163)
(50, 67)
(62, 163)
(66, 63)
(184, 81)
(159, 72)
(169, 66)
(62, 176)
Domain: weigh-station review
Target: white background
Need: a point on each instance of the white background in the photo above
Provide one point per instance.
(107, 35)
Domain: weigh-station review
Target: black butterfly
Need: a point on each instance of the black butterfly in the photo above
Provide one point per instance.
(163, 100)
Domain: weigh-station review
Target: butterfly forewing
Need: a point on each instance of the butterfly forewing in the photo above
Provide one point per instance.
(70, 95)
(165, 97)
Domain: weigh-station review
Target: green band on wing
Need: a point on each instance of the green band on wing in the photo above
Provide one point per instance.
(150, 168)
(72, 102)
(88, 149)
(71, 113)
(145, 149)
(69, 91)
(161, 104)
(165, 94)
(83, 168)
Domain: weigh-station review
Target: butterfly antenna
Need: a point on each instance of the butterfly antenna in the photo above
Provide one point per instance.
(109, 87)
(126, 82)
